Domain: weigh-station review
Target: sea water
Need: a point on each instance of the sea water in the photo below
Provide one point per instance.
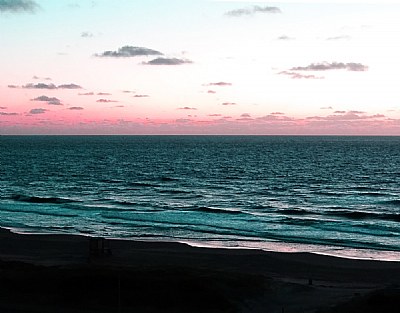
(323, 194)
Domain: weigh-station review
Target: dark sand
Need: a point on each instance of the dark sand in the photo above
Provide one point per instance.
(57, 273)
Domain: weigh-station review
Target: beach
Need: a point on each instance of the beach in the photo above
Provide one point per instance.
(72, 273)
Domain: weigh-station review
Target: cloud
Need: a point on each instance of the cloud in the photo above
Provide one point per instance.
(3, 108)
(75, 108)
(47, 86)
(41, 78)
(103, 94)
(183, 120)
(211, 91)
(342, 37)
(325, 66)
(87, 35)
(8, 114)
(326, 108)
(86, 94)
(229, 103)
(167, 61)
(18, 6)
(347, 116)
(69, 86)
(245, 115)
(284, 37)
(38, 111)
(295, 75)
(106, 101)
(129, 51)
(141, 96)
(215, 114)
(252, 10)
(40, 86)
(49, 100)
(220, 84)
(187, 108)
(275, 118)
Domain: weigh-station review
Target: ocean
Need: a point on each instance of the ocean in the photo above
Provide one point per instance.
(323, 194)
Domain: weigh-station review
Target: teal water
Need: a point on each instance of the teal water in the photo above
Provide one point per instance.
(332, 195)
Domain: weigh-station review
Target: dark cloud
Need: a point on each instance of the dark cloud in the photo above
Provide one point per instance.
(86, 94)
(221, 84)
(75, 108)
(37, 111)
(229, 103)
(47, 86)
(274, 117)
(18, 6)
(253, 10)
(347, 116)
(8, 114)
(40, 86)
(41, 78)
(103, 94)
(87, 35)
(129, 51)
(214, 115)
(69, 86)
(167, 61)
(295, 75)
(106, 100)
(325, 66)
(49, 100)
(187, 108)
(3, 108)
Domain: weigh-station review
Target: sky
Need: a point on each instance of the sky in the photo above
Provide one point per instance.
(199, 67)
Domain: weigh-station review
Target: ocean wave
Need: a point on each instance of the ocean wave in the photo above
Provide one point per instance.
(174, 191)
(142, 184)
(33, 199)
(205, 209)
(124, 203)
(295, 212)
(300, 222)
(168, 179)
(357, 215)
(373, 194)
(394, 202)
(37, 212)
(112, 181)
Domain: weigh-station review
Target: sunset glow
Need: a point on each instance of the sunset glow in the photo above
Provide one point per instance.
(199, 67)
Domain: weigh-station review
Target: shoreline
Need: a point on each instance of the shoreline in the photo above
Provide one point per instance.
(235, 279)
(271, 246)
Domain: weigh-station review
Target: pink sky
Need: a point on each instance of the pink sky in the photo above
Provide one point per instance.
(216, 67)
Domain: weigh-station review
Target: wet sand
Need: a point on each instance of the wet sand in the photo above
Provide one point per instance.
(67, 273)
